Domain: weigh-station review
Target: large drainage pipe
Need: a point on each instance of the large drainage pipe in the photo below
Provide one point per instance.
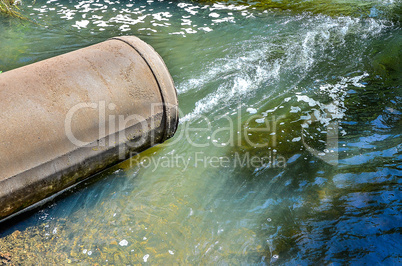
(65, 118)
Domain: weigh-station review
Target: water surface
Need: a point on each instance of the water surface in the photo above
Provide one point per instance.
(260, 80)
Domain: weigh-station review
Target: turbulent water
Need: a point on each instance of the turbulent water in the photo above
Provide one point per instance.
(288, 150)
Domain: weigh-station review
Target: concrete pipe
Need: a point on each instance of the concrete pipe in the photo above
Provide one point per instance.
(68, 117)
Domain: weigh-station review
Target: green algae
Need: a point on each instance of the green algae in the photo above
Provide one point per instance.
(386, 60)
(10, 8)
(326, 7)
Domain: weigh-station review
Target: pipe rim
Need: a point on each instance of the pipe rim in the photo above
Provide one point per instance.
(163, 78)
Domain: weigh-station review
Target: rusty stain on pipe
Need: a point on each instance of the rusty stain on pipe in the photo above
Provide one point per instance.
(68, 117)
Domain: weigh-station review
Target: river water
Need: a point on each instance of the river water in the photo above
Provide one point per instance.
(288, 150)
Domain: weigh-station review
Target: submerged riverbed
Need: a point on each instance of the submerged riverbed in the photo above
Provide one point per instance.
(288, 150)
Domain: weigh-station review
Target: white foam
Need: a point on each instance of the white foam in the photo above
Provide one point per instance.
(123, 243)
(145, 258)
(251, 110)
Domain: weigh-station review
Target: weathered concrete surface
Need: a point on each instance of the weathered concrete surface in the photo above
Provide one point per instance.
(68, 117)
